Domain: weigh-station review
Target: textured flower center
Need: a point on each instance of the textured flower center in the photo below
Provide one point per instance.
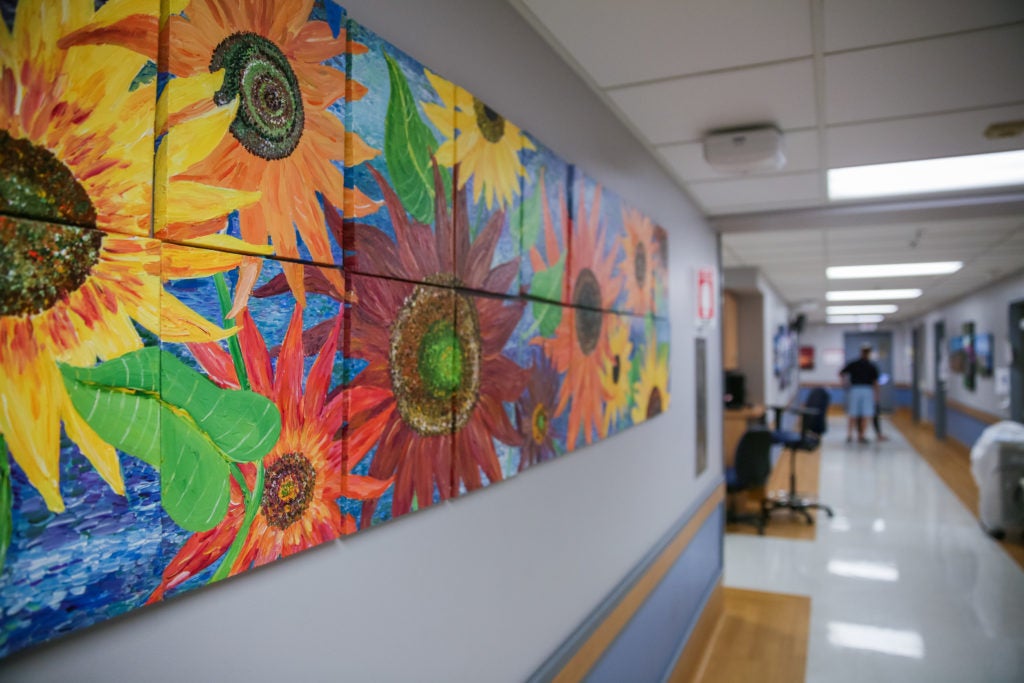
(490, 122)
(587, 295)
(42, 264)
(435, 358)
(270, 116)
(640, 265)
(654, 403)
(540, 424)
(616, 368)
(288, 489)
(35, 183)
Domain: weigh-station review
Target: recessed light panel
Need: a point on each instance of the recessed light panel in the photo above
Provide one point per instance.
(860, 309)
(892, 270)
(872, 294)
(999, 169)
(853, 319)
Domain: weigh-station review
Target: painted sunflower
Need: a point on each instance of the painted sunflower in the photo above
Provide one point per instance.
(535, 413)
(581, 346)
(640, 251)
(432, 392)
(651, 389)
(555, 234)
(302, 476)
(485, 144)
(263, 61)
(74, 145)
(615, 377)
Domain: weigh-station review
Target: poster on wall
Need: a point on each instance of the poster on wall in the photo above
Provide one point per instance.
(983, 354)
(970, 362)
(957, 355)
(702, 404)
(806, 357)
(706, 295)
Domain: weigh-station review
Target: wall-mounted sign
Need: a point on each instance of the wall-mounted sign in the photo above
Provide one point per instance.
(706, 295)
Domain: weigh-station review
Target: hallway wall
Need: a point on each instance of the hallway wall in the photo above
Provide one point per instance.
(487, 586)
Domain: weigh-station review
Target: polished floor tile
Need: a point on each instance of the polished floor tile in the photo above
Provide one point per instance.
(904, 585)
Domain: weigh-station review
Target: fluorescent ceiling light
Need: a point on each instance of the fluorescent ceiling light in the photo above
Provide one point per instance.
(872, 294)
(885, 640)
(927, 175)
(861, 308)
(892, 270)
(852, 319)
(872, 571)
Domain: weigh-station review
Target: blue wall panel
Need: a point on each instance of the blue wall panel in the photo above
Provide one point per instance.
(963, 427)
(650, 643)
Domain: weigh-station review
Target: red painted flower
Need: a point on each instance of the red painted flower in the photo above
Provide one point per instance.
(303, 475)
(432, 393)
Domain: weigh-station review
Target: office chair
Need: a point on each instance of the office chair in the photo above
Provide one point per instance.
(813, 423)
(750, 471)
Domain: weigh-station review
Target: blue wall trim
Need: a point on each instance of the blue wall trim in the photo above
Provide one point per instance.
(713, 560)
(647, 648)
(963, 427)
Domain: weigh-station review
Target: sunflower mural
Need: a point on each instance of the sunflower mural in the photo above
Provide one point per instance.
(543, 224)
(191, 385)
(650, 386)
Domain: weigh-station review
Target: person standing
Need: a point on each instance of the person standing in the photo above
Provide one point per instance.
(860, 377)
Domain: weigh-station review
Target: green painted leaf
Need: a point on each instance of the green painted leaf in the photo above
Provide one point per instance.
(408, 146)
(6, 502)
(152, 406)
(145, 76)
(526, 220)
(195, 485)
(547, 284)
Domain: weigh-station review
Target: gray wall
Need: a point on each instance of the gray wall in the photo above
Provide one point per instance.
(987, 309)
(482, 588)
(823, 337)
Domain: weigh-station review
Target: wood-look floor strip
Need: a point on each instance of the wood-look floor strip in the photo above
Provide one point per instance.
(760, 637)
(952, 462)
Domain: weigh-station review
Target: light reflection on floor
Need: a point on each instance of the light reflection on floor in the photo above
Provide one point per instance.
(904, 584)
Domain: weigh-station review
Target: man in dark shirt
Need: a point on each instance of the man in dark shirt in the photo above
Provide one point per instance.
(861, 379)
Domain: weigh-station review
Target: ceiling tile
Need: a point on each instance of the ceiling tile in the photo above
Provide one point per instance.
(623, 42)
(721, 196)
(926, 76)
(923, 137)
(685, 109)
(874, 22)
(687, 159)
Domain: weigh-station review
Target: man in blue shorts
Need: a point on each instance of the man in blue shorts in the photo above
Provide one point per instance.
(861, 379)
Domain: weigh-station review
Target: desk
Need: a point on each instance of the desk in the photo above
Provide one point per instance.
(734, 422)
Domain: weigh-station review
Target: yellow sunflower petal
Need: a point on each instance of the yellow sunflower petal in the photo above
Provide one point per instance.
(30, 423)
(216, 257)
(193, 140)
(179, 323)
(195, 202)
(101, 454)
(441, 118)
(444, 88)
(445, 155)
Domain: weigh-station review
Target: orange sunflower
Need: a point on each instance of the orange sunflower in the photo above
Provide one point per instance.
(76, 148)
(302, 477)
(581, 347)
(264, 62)
(639, 253)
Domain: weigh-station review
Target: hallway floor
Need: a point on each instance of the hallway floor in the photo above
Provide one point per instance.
(904, 585)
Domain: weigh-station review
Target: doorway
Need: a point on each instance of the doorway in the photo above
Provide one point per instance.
(1017, 361)
(939, 411)
(881, 356)
(916, 357)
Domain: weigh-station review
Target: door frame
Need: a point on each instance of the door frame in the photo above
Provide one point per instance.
(939, 399)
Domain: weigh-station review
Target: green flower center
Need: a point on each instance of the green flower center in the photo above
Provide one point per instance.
(654, 403)
(587, 297)
(640, 265)
(490, 122)
(540, 424)
(43, 263)
(36, 184)
(288, 489)
(441, 359)
(270, 117)
(435, 357)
